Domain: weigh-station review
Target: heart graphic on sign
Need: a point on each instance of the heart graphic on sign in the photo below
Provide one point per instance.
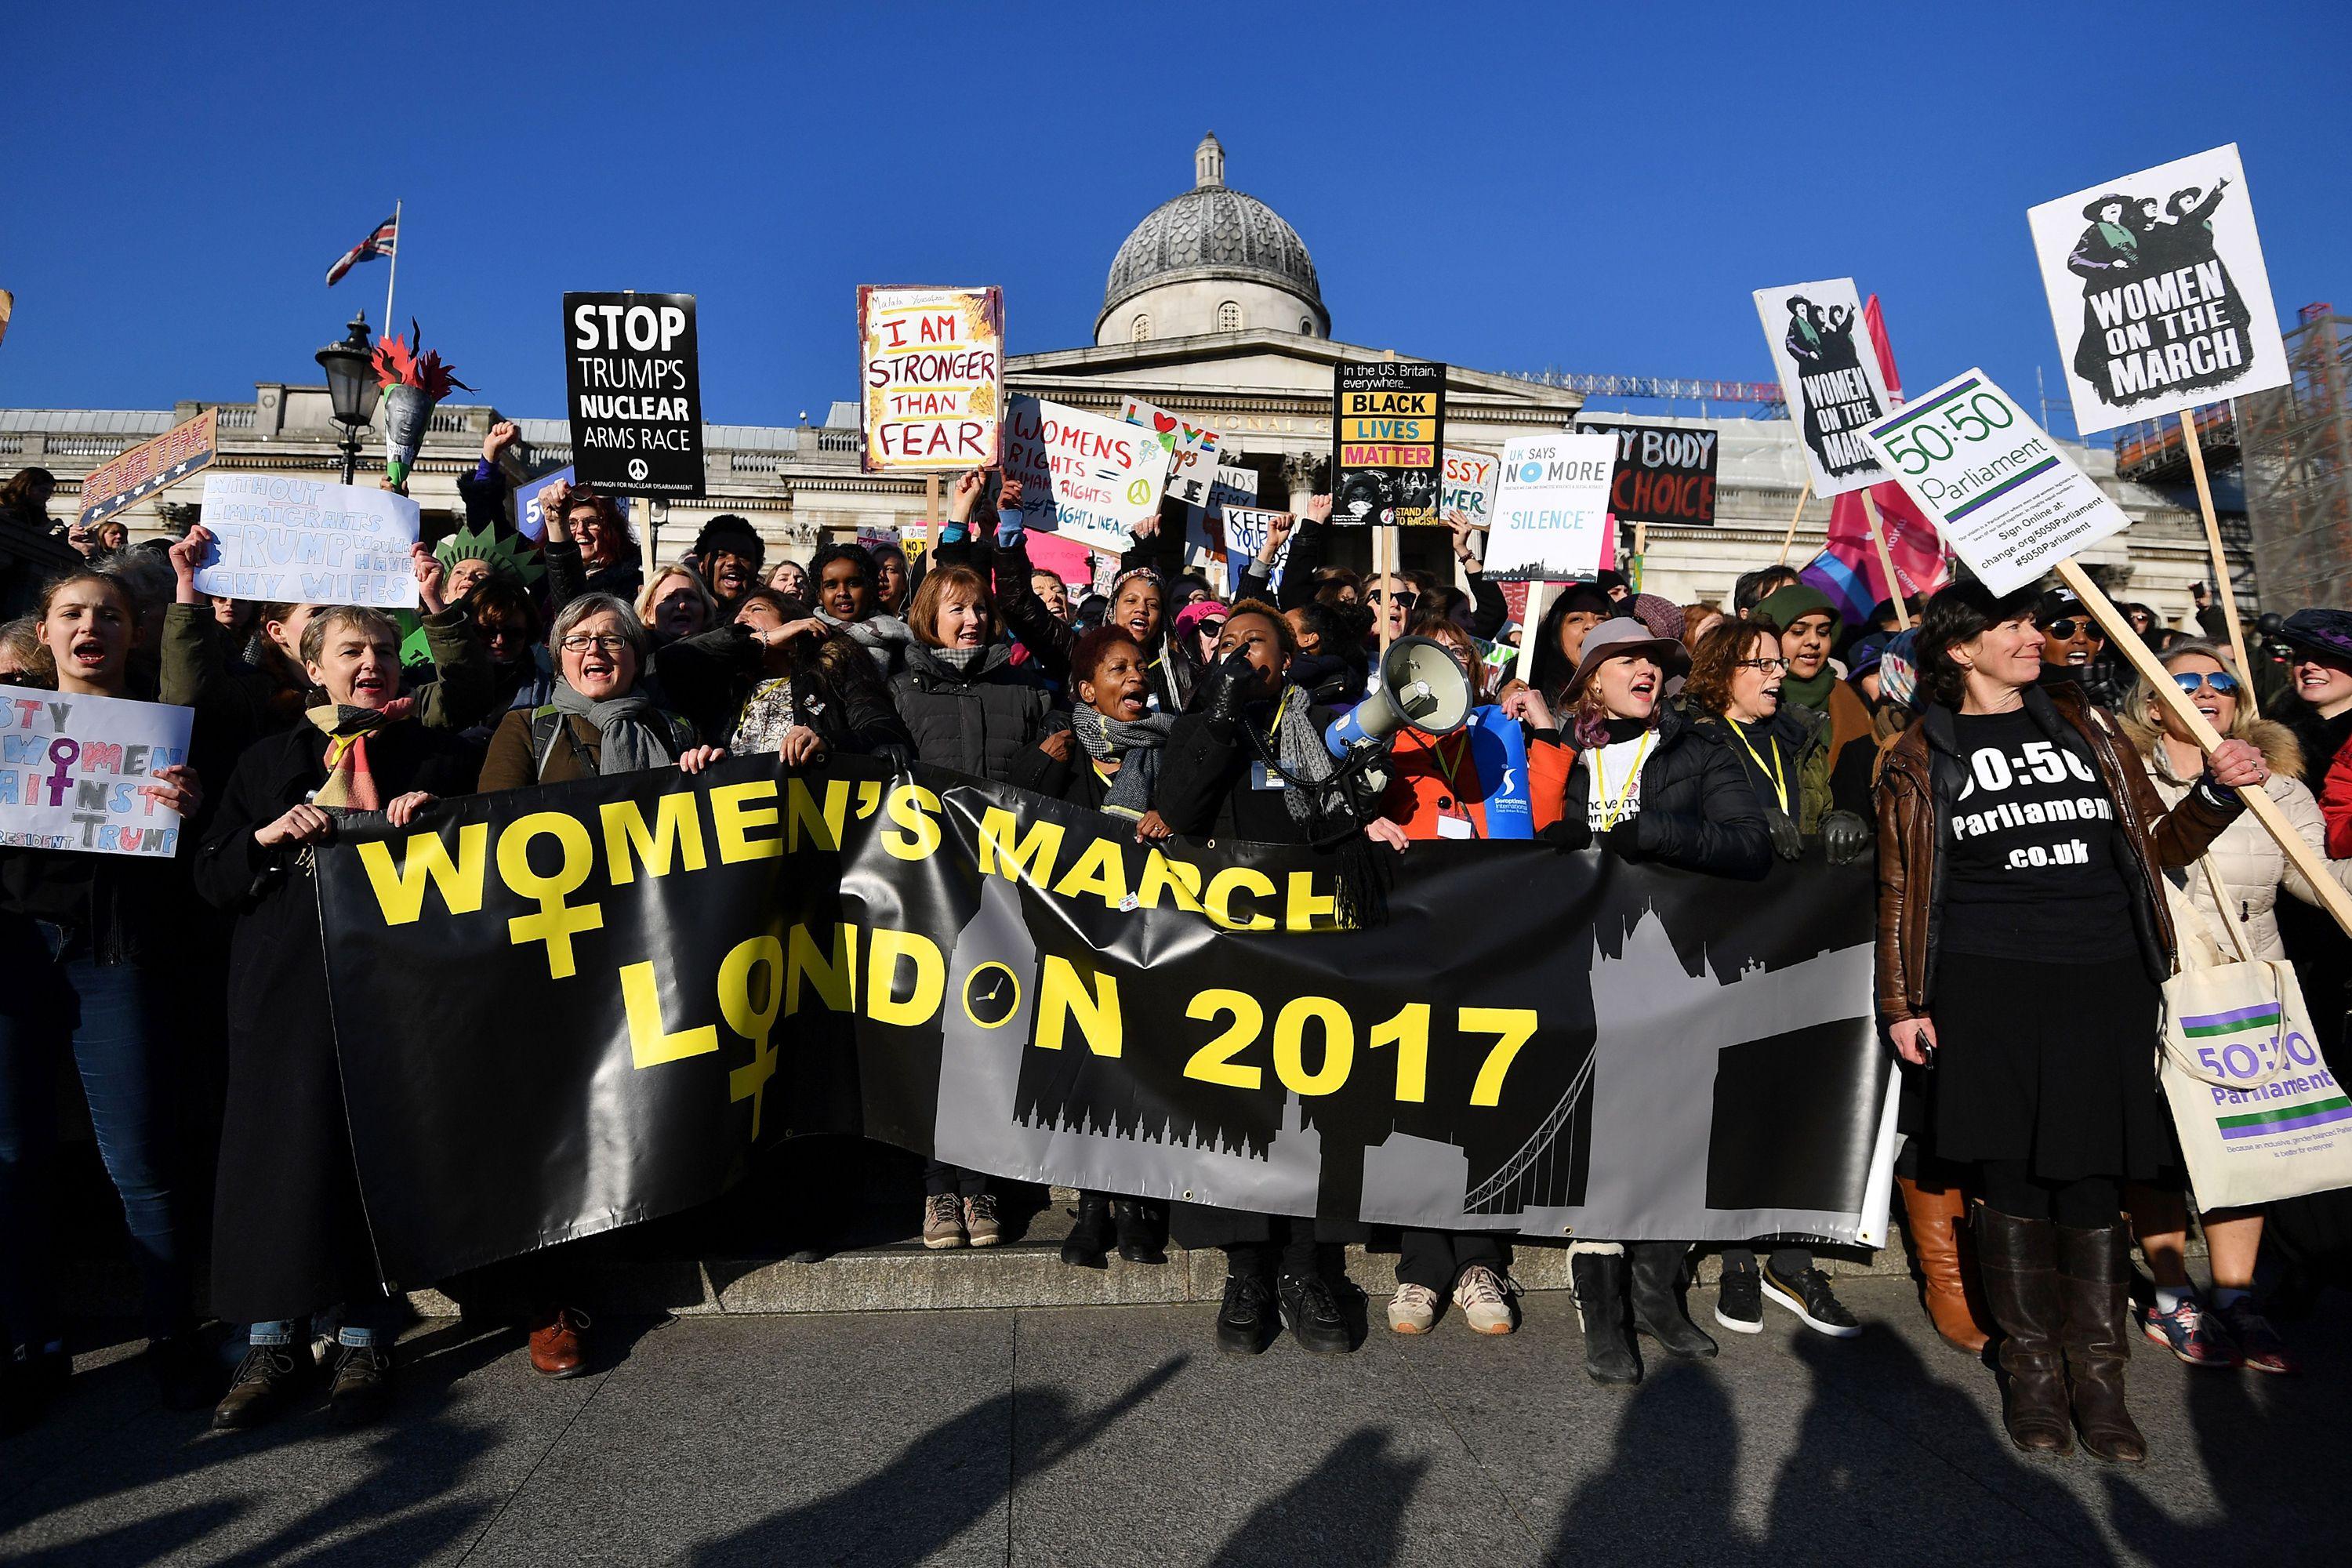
(637, 469)
(1163, 423)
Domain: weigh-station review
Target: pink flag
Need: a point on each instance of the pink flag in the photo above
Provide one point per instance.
(1847, 569)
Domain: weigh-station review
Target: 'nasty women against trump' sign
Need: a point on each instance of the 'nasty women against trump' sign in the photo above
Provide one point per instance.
(301, 541)
(74, 772)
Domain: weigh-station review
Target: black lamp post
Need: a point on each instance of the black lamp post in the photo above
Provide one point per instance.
(351, 387)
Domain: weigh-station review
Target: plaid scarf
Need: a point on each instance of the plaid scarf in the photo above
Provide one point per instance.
(350, 785)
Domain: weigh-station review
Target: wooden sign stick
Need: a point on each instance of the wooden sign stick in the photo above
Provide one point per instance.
(2301, 855)
(931, 515)
(1530, 624)
(1885, 561)
(1790, 537)
(1384, 555)
(2221, 584)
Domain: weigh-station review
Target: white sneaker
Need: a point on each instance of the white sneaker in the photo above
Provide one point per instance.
(1485, 1309)
(1412, 1309)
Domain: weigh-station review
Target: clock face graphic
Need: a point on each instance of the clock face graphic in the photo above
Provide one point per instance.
(991, 996)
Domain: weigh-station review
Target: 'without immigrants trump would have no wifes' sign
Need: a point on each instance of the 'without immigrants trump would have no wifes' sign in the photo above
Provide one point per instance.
(2002, 493)
(73, 771)
(632, 385)
(276, 537)
(931, 367)
(2158, 293)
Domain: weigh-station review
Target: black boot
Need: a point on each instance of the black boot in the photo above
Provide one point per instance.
(1658, 1271)
(2094, 1269)
(1246, 1321)
(1089, 1238)
(265, 1379)
(1138, 1237)
(1600, 1281)
(2018, 1261)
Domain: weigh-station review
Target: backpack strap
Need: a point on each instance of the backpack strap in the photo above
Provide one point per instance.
(546, 728)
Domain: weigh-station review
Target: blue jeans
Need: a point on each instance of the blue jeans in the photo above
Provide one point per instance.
(114, 1022)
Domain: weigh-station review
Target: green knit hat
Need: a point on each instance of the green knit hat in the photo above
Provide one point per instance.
(1785, 607)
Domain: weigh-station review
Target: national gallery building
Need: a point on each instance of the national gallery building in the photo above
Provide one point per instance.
(1212, 308)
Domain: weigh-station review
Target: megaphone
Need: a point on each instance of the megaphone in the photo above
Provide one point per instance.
(1419, 687)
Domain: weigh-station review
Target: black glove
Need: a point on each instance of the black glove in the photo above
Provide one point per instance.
(1568, 835)
(1227, 687)
(1846, 836)
(1787, 842)
(1624, 840)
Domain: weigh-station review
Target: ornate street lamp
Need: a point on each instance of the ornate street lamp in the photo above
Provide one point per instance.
(351, 387)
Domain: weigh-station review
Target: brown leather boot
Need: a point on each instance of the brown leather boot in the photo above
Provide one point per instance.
(2018, 1261)
(2094, 1269)
(1937, 1224)
(559, 1342)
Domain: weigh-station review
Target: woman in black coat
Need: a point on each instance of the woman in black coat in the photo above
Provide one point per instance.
(1649, 786)
(970, 709)
(290, 1237)
(1228, 772)
(778, 680)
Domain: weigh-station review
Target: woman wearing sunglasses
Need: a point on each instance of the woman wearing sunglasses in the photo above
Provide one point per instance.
(2074, 651)
(2227, 1332)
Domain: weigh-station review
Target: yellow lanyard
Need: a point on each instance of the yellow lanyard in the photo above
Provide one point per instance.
(1779, 781)
(1614, 811)
(1273, 730)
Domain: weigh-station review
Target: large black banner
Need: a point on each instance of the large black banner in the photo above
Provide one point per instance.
(1664, 474)
(562, 1010)
(632, 381)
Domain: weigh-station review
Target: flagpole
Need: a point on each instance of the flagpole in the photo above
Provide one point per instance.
(1885, 561)
(394, 276)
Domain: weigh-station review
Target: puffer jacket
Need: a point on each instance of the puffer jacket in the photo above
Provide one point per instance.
(985, 721)
(1804, 759)
(1921, 781)
(1697, 811)
(2252, 867)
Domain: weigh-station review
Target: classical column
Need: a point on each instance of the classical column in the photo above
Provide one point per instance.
(1301, 475)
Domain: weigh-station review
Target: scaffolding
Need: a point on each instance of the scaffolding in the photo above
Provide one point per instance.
(2297, 454)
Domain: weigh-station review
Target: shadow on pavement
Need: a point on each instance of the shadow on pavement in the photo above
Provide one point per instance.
(1348, 1510)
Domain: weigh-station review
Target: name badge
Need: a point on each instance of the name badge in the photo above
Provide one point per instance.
(1264, 777)
(1452, 826)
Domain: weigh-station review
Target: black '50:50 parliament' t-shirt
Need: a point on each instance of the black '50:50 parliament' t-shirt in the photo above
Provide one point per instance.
(2032, 873)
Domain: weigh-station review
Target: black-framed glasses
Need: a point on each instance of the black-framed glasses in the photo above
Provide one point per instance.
(2224, 683)
(581, 642)
(1767, 665)
(2064, 627)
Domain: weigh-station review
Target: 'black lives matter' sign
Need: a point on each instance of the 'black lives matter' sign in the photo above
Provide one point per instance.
(1666, 473)
(633, 387)
(1387, 438)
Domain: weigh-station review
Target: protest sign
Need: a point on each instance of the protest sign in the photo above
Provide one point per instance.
(2157, 290)
(276, 537)
(1081, 475)
(633, 386)
(933, 365)
(1551, 509)
(72, 768)
(150, 465)
(1192, 459)
(1469, 487)
(1012, 985)
(1666, 473)
(1388, 431)
(2002, 493)
(1203, 524)
(530, 518)
(1243, 529)
(1834, 385)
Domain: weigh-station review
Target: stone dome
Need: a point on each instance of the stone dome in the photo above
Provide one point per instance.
(1208, 235)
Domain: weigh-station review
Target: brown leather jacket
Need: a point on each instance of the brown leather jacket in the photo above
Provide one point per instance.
(1922, 777)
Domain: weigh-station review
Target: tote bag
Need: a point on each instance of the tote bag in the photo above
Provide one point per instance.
(2259, 1114)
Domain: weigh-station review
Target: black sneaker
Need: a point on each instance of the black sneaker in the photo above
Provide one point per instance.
(1246, 1321)
(1807, 1293)
(1739, 1301)
(183, 1371)
(362, 1388)
(265, 1380)
(1312, 1314)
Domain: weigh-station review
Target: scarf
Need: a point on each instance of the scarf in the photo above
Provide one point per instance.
(1137, 747)
(634, 736)
(1784, 607)
(351, 783)
(1299, 753)
(882, 637)
(960, 660)
(2119, 238)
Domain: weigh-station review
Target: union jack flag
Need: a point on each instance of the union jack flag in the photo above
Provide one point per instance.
(383, 242)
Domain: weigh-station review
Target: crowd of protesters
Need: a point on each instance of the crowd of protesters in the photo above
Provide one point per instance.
(1719, 740)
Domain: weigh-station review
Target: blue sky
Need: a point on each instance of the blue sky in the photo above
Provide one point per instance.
(1503, 189)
